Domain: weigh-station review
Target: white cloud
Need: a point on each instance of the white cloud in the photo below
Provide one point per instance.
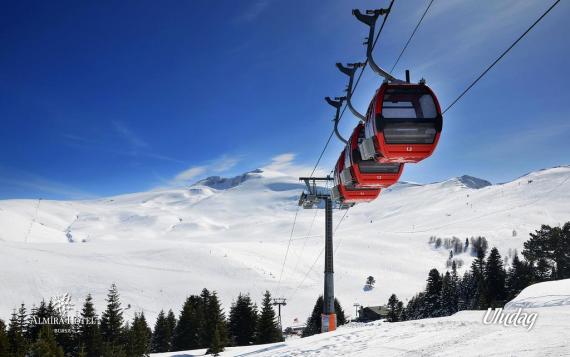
(222, 164)
(190, 173)
(285, 164)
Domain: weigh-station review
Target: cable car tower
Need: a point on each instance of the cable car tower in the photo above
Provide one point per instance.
(317, 197)
(313, 198)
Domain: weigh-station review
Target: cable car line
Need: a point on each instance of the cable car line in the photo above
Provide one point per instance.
(500, 57)
(411, 36)
(317, 258)
(288, 246)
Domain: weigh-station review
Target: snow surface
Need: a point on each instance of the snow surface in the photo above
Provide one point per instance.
(551, 293)
(231, 236)
(462, 334)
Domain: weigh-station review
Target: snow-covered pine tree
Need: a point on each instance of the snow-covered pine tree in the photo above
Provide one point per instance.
(243, 318)
(267, 327)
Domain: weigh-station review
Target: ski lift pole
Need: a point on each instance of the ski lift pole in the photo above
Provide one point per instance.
(328, 318)
(311, 200)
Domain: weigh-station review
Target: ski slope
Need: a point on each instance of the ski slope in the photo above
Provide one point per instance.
(231, 235)
(462, 334)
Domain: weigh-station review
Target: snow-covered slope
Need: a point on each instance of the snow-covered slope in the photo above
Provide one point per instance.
(231, 235)
(547, 294)
(462, 334)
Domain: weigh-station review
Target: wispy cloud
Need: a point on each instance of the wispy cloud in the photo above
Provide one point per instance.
(133, 139)
(40, 186)
(137, 147)
(253, 11)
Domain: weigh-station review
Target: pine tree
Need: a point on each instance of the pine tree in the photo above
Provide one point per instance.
(520, 276)
(432, 293)
(187, 333)
(23, 319)
(214, 318)
(393, 314)
(4, 343)
(267, 327)
(171, 325)
(448, 304)
(479, 297)
(138, 340)
(495, 280)
(16, 340)
(216, 345)
(370, 281)
(46, 345)
(313, 325)
(455, 287)
(112, 322)
(204, 324)
(243, 318)
(549, 246)
(160, 339)
(89, 334)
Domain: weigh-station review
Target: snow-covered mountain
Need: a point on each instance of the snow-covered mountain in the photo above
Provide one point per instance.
(231, 235)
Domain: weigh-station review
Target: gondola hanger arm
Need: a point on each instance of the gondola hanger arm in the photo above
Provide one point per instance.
(350, 70)
(337, 104)
(370, 19)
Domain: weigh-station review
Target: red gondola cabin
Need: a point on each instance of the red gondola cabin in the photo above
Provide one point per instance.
(403, 124)
(367, 173)
(346, 193)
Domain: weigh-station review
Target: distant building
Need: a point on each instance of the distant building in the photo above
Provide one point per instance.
(294, 330)
(372, 313)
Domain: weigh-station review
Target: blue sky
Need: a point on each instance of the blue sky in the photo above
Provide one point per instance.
(107, 97)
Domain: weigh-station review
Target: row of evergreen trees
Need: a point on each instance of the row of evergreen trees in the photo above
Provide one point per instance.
(488, 283)
(201, 324)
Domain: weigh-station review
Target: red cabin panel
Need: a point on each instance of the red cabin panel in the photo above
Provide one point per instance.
(403, 123)
(367, 173)
(347, 193)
